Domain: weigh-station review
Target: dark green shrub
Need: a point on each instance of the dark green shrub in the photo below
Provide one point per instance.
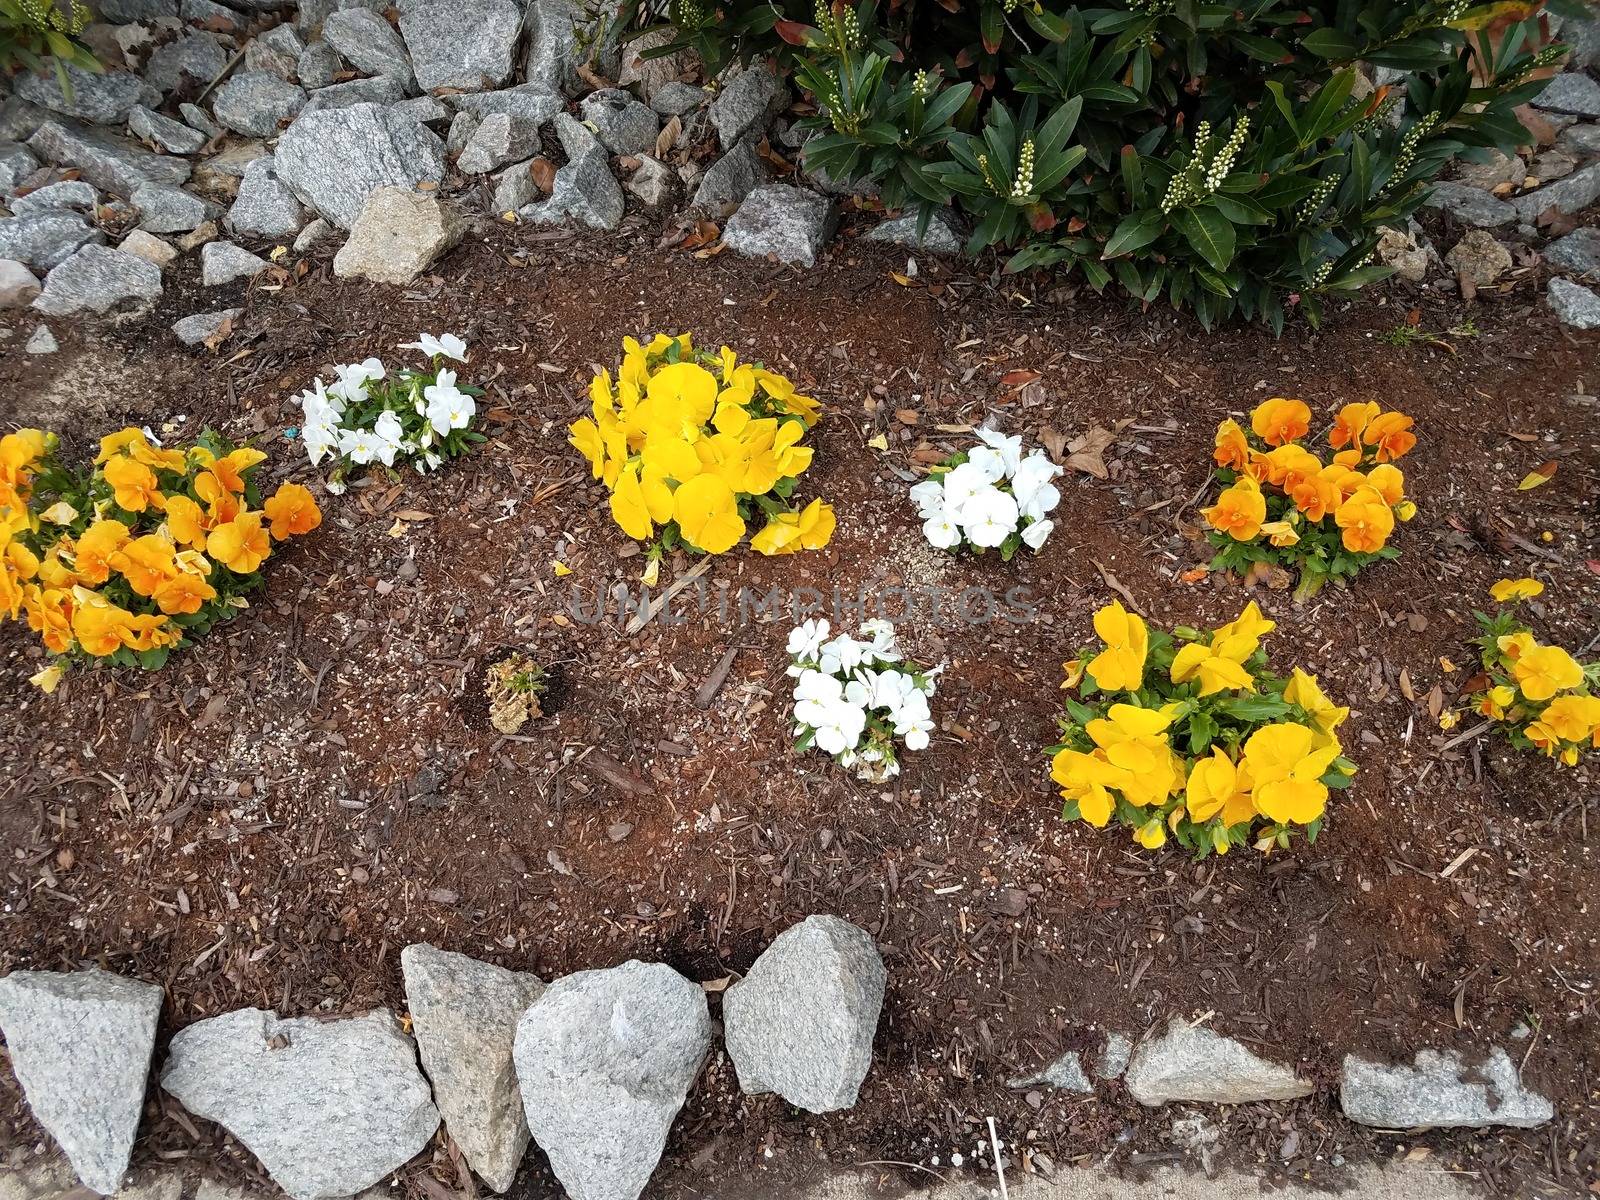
(1228, 157)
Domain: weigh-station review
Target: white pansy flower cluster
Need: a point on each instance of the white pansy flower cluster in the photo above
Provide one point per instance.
(368, 415)
(992, 497)
(854, 698)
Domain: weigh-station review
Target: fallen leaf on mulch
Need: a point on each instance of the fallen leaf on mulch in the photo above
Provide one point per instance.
(1538, 477)
(1086, 453)
(544, 174)
(1018, 377)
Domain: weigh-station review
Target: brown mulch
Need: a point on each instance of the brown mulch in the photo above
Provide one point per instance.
(269, 820)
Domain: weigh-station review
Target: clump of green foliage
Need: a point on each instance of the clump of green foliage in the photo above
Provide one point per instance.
(1230, 158)
(34, 33)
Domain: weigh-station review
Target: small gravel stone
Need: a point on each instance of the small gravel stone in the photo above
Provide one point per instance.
(197, 57)
(73, 195)
(1571, 92)
(170, 209)
(193, 331)
(18, 285)
(370, 44)
(1574, 304)
(148, 247)
(785, 222)
(172, 136)
(1578, 251)
(468, 44)
(256, 103)
(99, 280)
(224, 262)
(45, 238)
(99, 97)
(42, 342)
(1442, 1090)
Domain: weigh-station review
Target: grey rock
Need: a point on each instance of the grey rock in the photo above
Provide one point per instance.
(730, 179)
(43, 239)
(310, 14)
(397, 235)
(464, 1015)
(332, 160)
(677, 99)
(1197, 1064)
(605, 1060)
(265, 207)
(172, 136)
(943, 235)
(747, 104)
(217, 18)
(462, 126)
(318, 66)
(1065, 1073)
(1441, 1090)
(553, 45)
(99, 280)
(170, 210)
(1114, 1056)
(655, 185)
(623, 125)
(498, 140)
(224, 262)
(462, 43)
(18, 285)
(123, 12)
(16, 164)
(1479, 258)
(514, 188)
(42, 342)
(1472, 205)
(1574, 304)
(649, 75)
(380, 90)
(1582, 36)
(369, 43)
(278, 50)
(73, 195)
(802, 1020)
(148, 247)
(1571, 92)
(199, 120)
(1552, 165)
(220, 172)
(101, 98)
(534, 105)
(311, 235)
(329, 1107)
(585, 190)
(783, 221)
(196, 57)
(192, 331)
(19, 119)
(1570, 195)
(80, 1045)
(1581, 141)
(425, 110)
(113, 164)
(255, 103)
(1497, 168)
(1579, 251)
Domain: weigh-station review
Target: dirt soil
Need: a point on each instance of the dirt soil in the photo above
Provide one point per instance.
(271, 818)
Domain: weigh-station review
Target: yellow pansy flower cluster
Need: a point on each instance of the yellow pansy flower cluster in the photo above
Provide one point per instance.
(1187, 735)
(695, 448)
(1543, 697)
(1283, 504)
(147, 551)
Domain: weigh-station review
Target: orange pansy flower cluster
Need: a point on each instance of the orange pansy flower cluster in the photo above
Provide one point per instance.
(153, 548)
(1298, 509)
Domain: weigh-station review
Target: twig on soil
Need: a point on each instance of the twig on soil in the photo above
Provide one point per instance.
(661, 601)
(1465, 737)
(713, 684)
(999, 1167)
(1115, 584)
